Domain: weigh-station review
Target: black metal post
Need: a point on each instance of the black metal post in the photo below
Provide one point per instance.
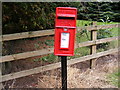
(64, 72)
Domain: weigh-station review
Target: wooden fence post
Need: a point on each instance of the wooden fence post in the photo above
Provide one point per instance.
(93, 47)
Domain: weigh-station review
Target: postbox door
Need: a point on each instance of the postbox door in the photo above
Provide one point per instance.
(64, 41)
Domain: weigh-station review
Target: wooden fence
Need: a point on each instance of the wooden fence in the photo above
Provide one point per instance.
(93, 29)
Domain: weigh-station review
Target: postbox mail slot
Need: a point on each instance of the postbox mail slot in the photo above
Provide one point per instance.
(66, 18)
(66, 21)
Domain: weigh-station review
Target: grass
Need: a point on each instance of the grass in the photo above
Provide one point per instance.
(114, 78)
(81, 23)
(82, 37)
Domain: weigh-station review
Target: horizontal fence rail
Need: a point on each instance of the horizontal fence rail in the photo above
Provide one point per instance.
(26, 55)
(97, 27)
(27, 35)
(55, 65)
(99, 41)
(50, 50)
(51, 32)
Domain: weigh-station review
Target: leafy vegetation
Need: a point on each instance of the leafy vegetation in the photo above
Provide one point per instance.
(22, 16)
(98, 11)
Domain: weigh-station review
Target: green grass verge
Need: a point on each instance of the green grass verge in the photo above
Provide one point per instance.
(85, 36)
(114, 78)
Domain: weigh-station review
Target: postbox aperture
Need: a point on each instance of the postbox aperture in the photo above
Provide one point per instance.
(65, 29)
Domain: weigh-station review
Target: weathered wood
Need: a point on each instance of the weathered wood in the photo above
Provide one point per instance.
(97, 27)
(50, 50)
(93, 47)
(88, 57)
(51, 32)
(30, 71)
(87, 43)
(55, 65)
(99, 41)
(26, 55)
(27, 35)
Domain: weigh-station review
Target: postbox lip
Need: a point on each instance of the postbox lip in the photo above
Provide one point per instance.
(64, 54)
(65, 26)
(67, 7)
(66, 15)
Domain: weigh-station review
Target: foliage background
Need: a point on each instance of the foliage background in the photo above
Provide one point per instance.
(31, 16)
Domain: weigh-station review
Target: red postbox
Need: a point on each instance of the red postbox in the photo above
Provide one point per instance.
(65, 29)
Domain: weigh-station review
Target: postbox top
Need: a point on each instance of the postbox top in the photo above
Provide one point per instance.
(66, 11)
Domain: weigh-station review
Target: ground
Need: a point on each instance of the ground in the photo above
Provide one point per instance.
(79, 75)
